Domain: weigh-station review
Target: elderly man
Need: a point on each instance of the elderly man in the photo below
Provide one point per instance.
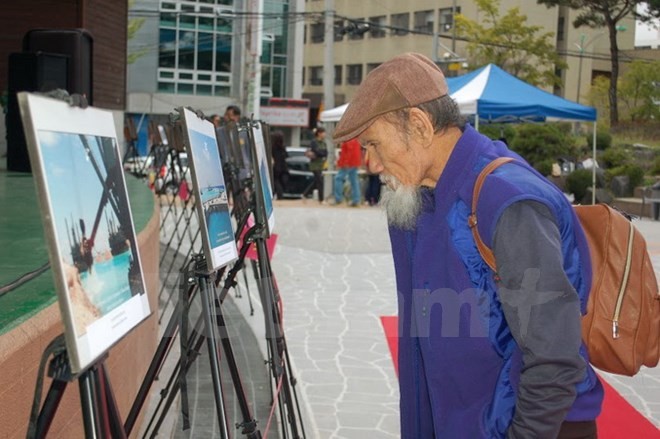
(481, 354)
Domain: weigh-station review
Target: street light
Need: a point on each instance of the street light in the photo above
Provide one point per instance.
(582, 46)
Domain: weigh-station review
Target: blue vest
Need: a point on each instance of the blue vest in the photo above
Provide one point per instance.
(459, 366)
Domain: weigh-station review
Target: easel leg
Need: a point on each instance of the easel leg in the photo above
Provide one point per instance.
(213, 356)
(87, 398)
(112, 415)
(55, 393)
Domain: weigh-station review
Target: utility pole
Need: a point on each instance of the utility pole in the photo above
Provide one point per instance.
(329, 58)
(255, 32)
(295, 63)
(329, 86)
(453, 26)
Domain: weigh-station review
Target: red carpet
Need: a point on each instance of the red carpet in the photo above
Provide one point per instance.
(618, 420)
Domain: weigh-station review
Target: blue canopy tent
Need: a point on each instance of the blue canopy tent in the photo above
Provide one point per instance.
(493, 95)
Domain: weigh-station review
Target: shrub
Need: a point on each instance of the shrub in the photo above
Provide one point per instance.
(545, 167)
(497, 131)
(540, 142)
(614, 157)
(578, 182)
(603, 139)
(655, 169)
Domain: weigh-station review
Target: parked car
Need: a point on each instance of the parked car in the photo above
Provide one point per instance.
(300, 177)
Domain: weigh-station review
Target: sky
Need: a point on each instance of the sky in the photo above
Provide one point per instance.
(646, 34)
(74, 188)
(206, 160)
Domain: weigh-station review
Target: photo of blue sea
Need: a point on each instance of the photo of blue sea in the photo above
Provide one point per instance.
(213, 192)
(108, 276)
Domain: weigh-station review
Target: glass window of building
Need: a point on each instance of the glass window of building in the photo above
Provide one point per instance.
(423, 21)
(372, 66)
(275, 47)
(447, 19)
(354, 74)
(338, 72)
(317, 31)
(378, 25)
(316, 75)
(400, 23)
(197, 40)
(195, 47)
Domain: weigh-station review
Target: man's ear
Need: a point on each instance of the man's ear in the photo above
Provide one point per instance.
(421, 127)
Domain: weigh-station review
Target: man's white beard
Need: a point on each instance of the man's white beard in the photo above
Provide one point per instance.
(402, 203)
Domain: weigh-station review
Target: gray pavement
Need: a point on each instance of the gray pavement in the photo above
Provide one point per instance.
(336, 277)
(336, 272)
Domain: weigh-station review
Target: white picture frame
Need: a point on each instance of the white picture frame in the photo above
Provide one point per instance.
(210, 191)
(88, 224)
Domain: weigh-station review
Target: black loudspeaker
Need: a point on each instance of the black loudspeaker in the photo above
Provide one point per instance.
(40, 72)
(77, 44)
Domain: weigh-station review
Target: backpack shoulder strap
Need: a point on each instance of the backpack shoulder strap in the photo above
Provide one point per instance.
(485, 252)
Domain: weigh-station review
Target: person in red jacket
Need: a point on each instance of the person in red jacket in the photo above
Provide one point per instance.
(350, 159)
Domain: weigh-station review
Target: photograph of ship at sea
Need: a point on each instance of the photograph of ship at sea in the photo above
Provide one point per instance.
(211, 192)
(92, 246)
(99, 253)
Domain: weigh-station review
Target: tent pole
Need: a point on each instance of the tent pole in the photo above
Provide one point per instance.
(476, 121)
(593, 168)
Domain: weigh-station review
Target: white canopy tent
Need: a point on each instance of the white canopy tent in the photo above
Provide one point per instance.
(333, 114)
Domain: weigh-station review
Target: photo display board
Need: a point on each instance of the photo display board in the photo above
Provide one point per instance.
(210, 191)
(262, 176)
(88, 224)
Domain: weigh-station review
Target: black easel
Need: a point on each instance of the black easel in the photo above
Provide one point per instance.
(198, 279)
(99, 409)
(279, 361)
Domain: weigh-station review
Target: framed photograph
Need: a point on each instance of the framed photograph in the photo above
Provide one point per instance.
(245, 172)
(210, 191)
(89, 227)
(262, 180)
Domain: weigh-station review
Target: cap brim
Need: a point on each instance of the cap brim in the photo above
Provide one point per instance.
(353, 133)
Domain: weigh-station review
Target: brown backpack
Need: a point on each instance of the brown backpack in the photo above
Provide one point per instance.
(622, 326)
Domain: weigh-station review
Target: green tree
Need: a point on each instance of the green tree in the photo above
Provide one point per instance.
(598, 97)
(506, 41)
(608, 13)
(639, 90)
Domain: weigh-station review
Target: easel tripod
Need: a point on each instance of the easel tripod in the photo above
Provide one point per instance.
(99, 409)
(198, 279)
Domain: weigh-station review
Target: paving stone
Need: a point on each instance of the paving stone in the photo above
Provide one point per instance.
(335, 274)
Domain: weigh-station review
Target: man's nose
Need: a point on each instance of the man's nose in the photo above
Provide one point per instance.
(375, 165)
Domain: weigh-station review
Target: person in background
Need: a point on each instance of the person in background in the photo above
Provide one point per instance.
(372, 193)
(482, 354)
(233, 114)
(215, 120)
(280, 167)
(350, 159)
(317, 154)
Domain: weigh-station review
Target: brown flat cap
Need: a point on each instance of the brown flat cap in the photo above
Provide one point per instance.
(406, 80)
